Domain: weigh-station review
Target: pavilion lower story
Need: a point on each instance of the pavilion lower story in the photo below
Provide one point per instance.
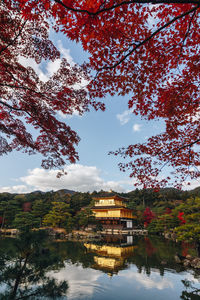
(116, 223)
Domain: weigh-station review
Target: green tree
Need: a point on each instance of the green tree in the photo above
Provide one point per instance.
(8, 210)
(40, 208)
(58, 215)
(85, 217)
(190, 231)
(20, 198)
(192, 205)
(25, 220)
(80, 200)
(163, 223)
(70, 223)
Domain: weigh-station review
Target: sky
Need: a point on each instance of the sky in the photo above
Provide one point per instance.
(100, 132)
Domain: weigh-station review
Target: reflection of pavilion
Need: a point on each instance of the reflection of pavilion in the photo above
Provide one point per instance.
(110, 258)
(118, 239)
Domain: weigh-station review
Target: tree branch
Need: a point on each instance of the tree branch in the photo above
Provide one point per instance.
(79, 10)
(185, 146)
(16, 37)
(25, 88)
(179, 149)
(150, 37)
(10, 106)
(187, 33)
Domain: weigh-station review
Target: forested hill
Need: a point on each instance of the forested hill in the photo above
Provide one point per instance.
(56, 208)
(78, 200)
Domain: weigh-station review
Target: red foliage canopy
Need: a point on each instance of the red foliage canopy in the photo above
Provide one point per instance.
(146, 49)
(180, 217)
(27, 206)
(148, 216)
(25, 99)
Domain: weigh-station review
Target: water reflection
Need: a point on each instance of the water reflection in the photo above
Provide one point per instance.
(191, 292)
(110, 258)
(83, 283)
(119, 267)
(23, 266)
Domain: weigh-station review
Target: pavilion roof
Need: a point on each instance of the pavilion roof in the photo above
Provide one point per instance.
(111, 195)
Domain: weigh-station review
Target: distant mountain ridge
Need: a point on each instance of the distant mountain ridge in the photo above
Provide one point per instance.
(169, 191)
(62, 191)
(66, 191)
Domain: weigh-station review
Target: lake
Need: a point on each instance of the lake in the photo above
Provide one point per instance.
(119, 267)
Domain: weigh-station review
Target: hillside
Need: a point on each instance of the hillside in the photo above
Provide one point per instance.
(70, 209)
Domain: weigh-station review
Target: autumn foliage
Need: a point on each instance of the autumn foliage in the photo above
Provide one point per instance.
(181, 218)
(148, 216)
(27, 100)
(149, 52)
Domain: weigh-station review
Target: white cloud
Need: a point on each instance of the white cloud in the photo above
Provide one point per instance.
(65, 53)
(124, 117)
(65, 116)
(190, 185)
(155, 281)
(79, 178)
(196, 117)
(82, 282)
(30, 62)
(15, 189)
(137, 127)
(51, 66)
(46, 71)
(191, 278)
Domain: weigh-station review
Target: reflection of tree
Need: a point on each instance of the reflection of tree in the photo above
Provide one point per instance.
(26, 262)
(74, 252)
(191, 292)
(23, 268)
(157, 254)
(150, 249)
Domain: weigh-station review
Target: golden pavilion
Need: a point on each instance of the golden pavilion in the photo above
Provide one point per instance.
(111, 212)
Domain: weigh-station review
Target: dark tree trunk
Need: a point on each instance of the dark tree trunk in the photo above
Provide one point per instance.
(198, 248)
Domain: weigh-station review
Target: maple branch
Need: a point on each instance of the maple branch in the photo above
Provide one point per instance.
(185, 146)
(16, 37)
(179, 149)
(14, 78)
(187, 33)
(22, 110)
(24, 88)
(150, 37)
(189, 156)
(10, 106)
(79, 10)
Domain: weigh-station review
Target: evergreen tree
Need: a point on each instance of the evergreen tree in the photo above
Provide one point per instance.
(58, 215)
(40, 208)
(25, 220)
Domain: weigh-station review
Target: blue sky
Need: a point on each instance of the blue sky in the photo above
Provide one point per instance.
(100, 132)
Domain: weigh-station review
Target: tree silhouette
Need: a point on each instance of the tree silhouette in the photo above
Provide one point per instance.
(24, 268)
